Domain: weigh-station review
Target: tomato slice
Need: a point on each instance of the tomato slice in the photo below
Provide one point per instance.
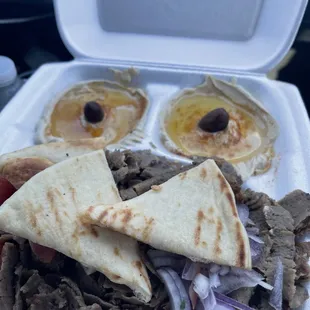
(6, 190)
(44, 254)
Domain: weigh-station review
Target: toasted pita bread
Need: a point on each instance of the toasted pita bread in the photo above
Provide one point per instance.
(193, 214)
(56, 151)
(45, 211)
(19, 166)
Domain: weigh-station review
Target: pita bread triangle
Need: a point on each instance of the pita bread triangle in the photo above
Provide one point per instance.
(55, 151)
(45, 210)
(193, 214)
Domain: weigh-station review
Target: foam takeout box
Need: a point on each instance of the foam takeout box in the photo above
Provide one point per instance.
(174, 44)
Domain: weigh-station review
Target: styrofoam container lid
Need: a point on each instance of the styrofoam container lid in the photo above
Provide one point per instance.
(239, 35)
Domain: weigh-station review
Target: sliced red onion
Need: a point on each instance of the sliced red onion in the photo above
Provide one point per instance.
(214, 280)
(192, 296)
(209, 303)
(243, 212)
(190, 270)
(238, 278)
(255, 238)
(164, 259)
(266, 285)
(276, 295)
(171, 262)
(231, 302)
(174, 285)
(251, 274)
(250, 222)
(224, 270)
(232, 283)
(214, 268)
(257, 250)
(254, 230)
(222, 306)
(202, 286)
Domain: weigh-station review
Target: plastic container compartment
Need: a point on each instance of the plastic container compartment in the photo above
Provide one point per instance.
(174, 45)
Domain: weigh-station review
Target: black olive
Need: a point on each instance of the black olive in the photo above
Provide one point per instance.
(214, 121)
(93, 112)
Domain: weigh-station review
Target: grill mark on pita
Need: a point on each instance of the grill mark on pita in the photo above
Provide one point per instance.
(211, 210)
(114, 216)
(33, 220)
(229, 196)
(85, 229)
(85, 218)
(222, 180)
(50, 197)
(51, 200)
(58, 193)
(104, 213)
(197, 235)
(79, 230)
(148, 228)
(139, 265)
(200, 217)
(57, 215)
(203, 173)
(231, 200)
(73, 193)
(127, 216)
(240, 246)
(219, 229)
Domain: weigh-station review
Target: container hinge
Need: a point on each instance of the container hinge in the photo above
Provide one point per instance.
(168, 67)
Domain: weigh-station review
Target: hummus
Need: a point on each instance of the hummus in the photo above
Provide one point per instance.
(64, 119)
(248, 139)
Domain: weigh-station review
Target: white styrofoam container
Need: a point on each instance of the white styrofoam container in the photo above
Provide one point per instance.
(174, 44)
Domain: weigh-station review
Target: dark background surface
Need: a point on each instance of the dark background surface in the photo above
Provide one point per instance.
(30, 43)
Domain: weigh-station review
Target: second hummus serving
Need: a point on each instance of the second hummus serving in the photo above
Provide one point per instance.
(220, 119)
